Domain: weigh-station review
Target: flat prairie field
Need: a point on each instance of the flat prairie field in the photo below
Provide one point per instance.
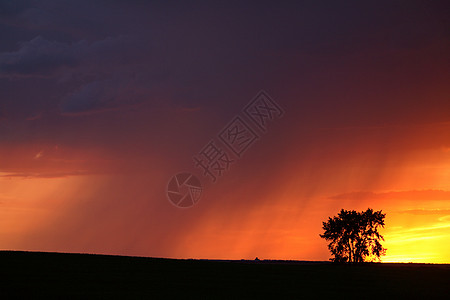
(62, 275)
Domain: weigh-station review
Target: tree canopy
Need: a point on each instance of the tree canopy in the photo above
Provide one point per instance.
(354, 237)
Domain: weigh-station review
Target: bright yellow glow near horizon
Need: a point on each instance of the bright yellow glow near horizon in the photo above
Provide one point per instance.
(417, 222)
(426, 240)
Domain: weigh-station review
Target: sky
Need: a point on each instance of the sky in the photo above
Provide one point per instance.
(103, 102)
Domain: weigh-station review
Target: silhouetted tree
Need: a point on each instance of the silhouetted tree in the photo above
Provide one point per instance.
(354, 236)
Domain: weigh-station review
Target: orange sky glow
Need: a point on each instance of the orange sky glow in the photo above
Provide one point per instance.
(61, 213)
(97, 116)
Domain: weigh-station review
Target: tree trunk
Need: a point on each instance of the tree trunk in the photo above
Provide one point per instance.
(350, 250)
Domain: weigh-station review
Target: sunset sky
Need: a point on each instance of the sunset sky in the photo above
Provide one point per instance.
(102, 102)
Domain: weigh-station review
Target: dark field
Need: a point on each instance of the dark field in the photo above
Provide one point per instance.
(34, 274)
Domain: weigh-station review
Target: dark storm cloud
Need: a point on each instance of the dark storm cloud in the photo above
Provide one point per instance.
(93, 96)
(37, 57)
(75, 58)
(40, 57)
(196, 55)
(102, 95)
(11, 8)
(92, 68)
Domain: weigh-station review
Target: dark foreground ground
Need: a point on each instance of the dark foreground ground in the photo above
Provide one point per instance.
(38, 275)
